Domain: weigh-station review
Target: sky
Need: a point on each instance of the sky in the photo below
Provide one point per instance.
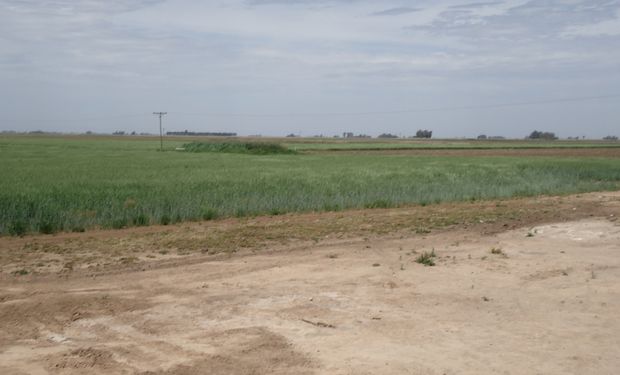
(322, 67)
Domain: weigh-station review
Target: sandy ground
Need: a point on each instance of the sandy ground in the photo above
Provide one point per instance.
(530, 300)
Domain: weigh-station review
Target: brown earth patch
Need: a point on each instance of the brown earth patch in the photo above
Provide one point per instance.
(598, 152)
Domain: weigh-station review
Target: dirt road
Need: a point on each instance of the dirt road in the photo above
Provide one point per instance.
(541, 300)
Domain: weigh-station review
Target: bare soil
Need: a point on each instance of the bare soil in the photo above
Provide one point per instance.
(601, 152)
(527, 286)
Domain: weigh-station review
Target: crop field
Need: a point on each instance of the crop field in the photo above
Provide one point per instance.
(53, 184)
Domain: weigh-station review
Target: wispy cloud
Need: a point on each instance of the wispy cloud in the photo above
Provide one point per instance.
(396, 11)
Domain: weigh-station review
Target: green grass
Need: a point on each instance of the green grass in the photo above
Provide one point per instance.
(51, 184)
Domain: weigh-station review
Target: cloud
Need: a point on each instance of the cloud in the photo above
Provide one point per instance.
(291, 55)
(396, 11)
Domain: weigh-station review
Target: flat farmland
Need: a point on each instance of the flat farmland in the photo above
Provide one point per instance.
(117, 258)
(65, 184)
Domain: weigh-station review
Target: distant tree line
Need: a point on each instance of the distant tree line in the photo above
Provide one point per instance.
(424, 134)
(387, 135)
(351, 135)
(542, 135)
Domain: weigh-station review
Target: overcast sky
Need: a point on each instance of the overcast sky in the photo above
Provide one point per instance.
(273, 67)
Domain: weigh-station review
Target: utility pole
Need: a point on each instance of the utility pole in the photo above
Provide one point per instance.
(161, 133)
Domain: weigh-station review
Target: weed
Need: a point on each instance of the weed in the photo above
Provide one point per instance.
(21, 272)
(427, 258)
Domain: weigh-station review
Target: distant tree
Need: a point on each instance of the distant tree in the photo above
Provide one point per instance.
(424, 134)
(291, 135)
(610, 138)
(542, 135)
(387, 135)
(482, 136)
(118, 132)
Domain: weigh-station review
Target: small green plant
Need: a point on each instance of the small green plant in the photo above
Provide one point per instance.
(21, 272)
(427, 258)
(422, 230)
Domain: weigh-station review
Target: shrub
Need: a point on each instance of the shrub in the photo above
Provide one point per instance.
(255, 148)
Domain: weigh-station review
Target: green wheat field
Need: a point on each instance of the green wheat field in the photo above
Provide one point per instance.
(50, 184)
